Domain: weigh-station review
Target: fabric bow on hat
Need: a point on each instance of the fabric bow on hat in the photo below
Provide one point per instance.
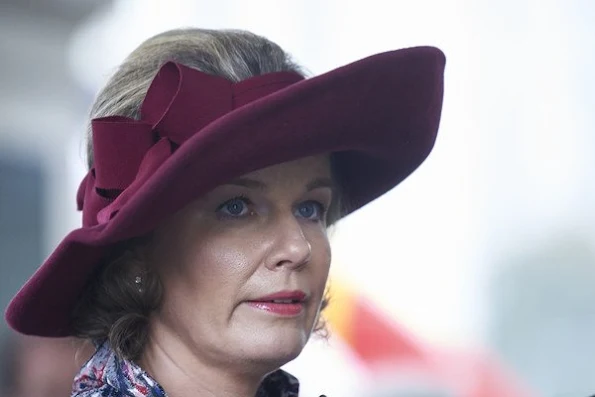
(179, 103)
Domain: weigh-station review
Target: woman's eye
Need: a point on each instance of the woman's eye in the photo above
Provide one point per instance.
(237, 206)
(311, 210)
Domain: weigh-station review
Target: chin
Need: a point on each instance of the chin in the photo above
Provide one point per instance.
(278, 347)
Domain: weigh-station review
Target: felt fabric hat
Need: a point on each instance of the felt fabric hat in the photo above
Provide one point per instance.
(378, 117)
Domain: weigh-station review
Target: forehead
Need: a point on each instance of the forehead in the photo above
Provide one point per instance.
(305, 168)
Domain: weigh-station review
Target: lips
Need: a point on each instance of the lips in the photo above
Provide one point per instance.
(284, 303)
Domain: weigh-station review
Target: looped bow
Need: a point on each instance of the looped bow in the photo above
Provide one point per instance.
(179, 103)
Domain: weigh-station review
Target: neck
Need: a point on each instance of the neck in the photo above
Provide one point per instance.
(184, 373)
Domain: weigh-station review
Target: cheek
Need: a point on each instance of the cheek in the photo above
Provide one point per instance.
(320, 241)
(321, 256)
(213, 270)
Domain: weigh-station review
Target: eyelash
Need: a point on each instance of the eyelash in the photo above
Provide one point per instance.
(241, 198)
(321, 208)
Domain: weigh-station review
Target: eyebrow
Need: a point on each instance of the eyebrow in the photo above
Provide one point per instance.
(258, 185)
(319, 183)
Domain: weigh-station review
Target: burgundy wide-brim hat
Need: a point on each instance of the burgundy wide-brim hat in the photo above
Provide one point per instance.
(378, 117)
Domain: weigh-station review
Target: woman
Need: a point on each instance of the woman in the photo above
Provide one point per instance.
(215, 169)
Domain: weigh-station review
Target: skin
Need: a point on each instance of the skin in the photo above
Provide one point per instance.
(222, 251)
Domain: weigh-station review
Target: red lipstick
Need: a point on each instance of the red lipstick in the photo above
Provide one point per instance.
(284, 303)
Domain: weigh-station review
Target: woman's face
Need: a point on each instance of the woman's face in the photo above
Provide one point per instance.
(244, 268)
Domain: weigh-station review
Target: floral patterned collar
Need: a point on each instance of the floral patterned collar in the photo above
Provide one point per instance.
(105, 375)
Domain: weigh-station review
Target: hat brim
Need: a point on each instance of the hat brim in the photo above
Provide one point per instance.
(378, 116)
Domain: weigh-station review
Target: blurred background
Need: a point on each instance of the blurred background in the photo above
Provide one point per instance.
(474, 278)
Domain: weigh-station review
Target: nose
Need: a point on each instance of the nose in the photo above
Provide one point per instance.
(291, 248)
